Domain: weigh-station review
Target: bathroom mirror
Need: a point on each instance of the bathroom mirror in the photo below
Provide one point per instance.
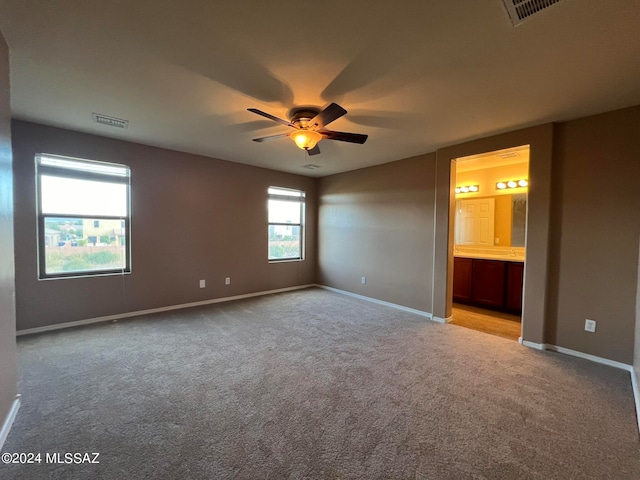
(518, 219)
(508, 213)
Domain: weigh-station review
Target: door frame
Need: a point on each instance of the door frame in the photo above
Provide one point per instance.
(540, 141)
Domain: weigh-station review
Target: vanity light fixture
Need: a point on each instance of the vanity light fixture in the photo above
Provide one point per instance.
(468, 189)
(512, 184)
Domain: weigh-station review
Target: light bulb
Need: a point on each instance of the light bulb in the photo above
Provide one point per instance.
(523, 183)
(457, 189)
(501, 185)
(473, 188)
(306, 139)
(464, 189)
(512, 184)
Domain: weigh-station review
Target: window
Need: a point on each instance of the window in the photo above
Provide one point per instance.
(286, 222)
(83, 217)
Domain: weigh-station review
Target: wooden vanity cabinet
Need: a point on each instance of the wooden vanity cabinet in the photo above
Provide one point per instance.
(488, 283)
(492, 284)
(462, 274)
(515, 276)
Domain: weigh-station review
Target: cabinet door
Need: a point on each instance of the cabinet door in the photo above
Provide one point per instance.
(515, 273)
(489, 283)
(462, 269)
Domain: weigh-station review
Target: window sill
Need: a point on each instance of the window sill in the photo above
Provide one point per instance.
(80, 275)
(287, 260)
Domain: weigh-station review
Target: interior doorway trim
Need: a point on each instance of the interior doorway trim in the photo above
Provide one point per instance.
(540, 141)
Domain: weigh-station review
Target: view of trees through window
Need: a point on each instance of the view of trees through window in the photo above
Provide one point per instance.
(286, 213)
(284, 242)
(83, 216)
(76, 245)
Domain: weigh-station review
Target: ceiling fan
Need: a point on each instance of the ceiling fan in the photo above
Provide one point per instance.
(309, 124)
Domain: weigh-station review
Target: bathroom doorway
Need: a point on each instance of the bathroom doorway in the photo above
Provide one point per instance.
(489, 245)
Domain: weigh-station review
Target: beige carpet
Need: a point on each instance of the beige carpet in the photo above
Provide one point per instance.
(313, 384)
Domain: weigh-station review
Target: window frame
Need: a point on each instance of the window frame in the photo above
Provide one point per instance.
(62, 172)
(299, 197)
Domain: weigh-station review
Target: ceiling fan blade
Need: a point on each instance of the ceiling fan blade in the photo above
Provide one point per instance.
(344, 137)
(270, 137)
(270, 117)
(314, 151)
(326, 116)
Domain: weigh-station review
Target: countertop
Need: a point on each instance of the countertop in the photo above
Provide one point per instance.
(515, 254)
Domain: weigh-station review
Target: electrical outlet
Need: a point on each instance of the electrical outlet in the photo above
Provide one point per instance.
(227, 281)
(497, 241)
(203, 283)
(590, 325)
(363, 280)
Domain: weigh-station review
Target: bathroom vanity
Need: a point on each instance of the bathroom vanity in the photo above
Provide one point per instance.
(489, 278)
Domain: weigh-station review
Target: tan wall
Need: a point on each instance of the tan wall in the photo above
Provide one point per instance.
(594, 242)
(8, 376)
(192, 218)
(378, 223)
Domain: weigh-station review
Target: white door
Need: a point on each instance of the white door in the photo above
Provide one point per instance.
(475, 221)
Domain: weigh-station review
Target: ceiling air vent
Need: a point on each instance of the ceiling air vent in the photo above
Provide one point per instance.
(111, 121)
(508, 155)
(311, 166)
(520, 10)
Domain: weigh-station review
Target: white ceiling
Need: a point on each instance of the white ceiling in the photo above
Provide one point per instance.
(414, 75)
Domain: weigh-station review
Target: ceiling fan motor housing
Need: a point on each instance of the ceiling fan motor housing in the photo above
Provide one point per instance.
(310, 127)
(300, 116)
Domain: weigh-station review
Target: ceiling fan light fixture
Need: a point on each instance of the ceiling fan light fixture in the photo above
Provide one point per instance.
(309, 124)
(306, 139)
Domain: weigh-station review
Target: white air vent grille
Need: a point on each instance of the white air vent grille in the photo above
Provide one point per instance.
(520, 10)
(311, 166)
(508, 155)
(111, 121)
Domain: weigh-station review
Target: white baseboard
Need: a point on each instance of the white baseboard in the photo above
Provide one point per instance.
(120, 316)
(587, 356)
(536, 346)
(8, 422)
(576, 353)
(443, 320)
(636, 393)
(380, 302)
